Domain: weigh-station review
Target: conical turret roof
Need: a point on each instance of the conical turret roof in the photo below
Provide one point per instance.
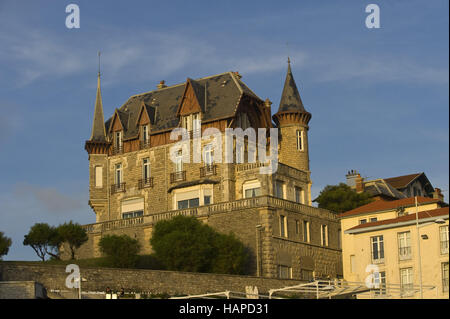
(98, 125)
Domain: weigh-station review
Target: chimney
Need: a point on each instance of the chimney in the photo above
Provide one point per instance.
(355, 181)
(438, 194)
(237, 74)
(162, 85)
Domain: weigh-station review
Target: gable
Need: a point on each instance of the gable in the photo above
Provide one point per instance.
(116, 124)
(189, 103)
(143, 118)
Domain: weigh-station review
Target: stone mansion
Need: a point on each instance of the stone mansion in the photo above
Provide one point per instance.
(134, 183)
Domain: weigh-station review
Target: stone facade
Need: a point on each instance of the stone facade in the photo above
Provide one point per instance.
(270, 213)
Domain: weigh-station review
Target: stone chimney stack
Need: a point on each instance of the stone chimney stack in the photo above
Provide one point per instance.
(438, 194)
(162, 85)
(355, 181)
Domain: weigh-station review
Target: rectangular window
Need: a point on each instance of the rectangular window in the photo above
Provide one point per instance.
(404, 245)
(284, 272)
(118, 140)
(297, 227)
(145, 133)
(377, 246)
(206, 200)
(283, 226)
(444, 267)
(188, 203)
(300, 140)
(299, 195)
(279, 189)
(118, 174)
(146, 169)
(406, 281)
(196, 122)
(306, 237)
(324, 235)
(252, 192)
(208, 155)
(373, 219)
(443, 232)
(362, 221)
(98, 176)
(138, 213)
(179, 162)
(380, 283)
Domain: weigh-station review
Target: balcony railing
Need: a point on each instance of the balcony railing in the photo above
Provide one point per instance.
(117, 188)
(209, 169)
(254, 202)
(144, 144)
(177, 176)
(146, 182)
(117, 149)
(404, 253)
(444, 247)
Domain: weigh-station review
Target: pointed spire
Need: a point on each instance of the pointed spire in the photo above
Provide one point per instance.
(290, 98)
(98, 125)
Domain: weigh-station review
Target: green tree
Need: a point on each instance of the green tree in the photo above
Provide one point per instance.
(231, 257)
(72, 234)
(44, 239)
(341, 198)
(5, 243)
(122, 251)
(186, 244)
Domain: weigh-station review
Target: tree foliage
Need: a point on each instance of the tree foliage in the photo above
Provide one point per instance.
(341, 198)
(44, 239)
(72, 234)
(186, 244)
(121, 250)
(5, 243)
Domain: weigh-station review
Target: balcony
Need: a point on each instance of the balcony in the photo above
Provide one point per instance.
(177, 176)
(206, 170)
(117, 188)
(146, 182)
(117, 150)
(404, 253)
(144, 144)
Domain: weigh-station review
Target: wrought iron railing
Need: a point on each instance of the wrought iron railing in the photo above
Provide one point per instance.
(118, 188)
(117, 149)
(209, 169)
(145, 182)
(144, 144)
(178, 176)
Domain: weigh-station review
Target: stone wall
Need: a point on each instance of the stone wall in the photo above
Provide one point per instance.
(21, 290)
(135, 280)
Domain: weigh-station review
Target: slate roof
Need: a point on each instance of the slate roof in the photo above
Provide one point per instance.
(410, 217)
(290, 98)
(381, 187)
(402, 181)
(380, 205)
(98, 126)
(219, 96)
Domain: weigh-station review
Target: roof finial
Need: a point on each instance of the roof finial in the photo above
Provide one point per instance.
(98, 63)
(289, 60)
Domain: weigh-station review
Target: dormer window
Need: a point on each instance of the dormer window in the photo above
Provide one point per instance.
(191, 122)
(118, 142)
(242, 121)
(145, 136)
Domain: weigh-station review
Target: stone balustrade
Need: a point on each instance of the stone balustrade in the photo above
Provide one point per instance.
(254, 202)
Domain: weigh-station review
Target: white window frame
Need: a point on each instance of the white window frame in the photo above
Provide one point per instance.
(404, 245)
(248, 185)
(146, 168)
(118, 139)
(179, 161)
(406, 280)
(208, 155)
(379, 240)
(443, 239)
(145, 133)
(285, 268)
(118, 174)
(444, 275)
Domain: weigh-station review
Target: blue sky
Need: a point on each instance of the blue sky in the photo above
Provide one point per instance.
(378, 97)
